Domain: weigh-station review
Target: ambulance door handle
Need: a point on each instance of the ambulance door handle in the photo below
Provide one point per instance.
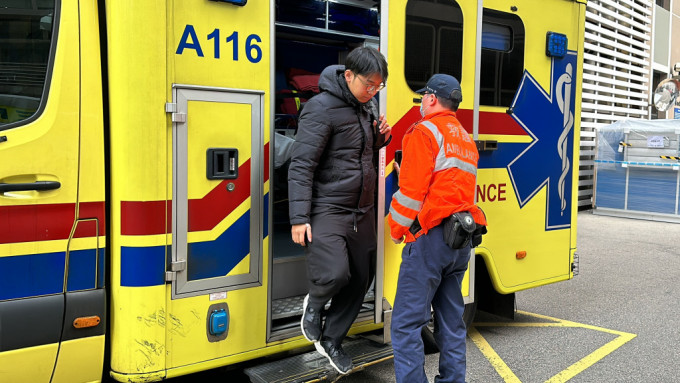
(486, 145)
(38, 185)
(222, 164)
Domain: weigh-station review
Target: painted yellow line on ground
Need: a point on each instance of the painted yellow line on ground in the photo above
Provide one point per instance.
(591, 359)
(571, 371)
(503, 370)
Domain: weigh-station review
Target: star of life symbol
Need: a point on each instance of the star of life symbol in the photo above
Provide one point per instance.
(548, 117)
(563, 101)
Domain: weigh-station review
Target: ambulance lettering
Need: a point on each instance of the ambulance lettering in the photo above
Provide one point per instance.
(491, 193)
(189, 40)
(455, 150)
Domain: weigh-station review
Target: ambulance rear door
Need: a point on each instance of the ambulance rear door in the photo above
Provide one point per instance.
(519, 103)
(526, 124)
(424, 38)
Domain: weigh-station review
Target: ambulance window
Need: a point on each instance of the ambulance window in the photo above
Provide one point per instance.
(357, 20)
(25, 43)
(433, 40)
(502, 57)
(311, 13)
(496, 37)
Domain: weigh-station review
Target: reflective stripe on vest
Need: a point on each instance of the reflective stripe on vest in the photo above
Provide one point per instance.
(407, 201)
(399, 218)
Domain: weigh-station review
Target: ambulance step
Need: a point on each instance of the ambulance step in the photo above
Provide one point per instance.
(313, 367)
(292, 306)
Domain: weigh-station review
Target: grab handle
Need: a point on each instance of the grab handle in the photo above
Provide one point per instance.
(38, 185)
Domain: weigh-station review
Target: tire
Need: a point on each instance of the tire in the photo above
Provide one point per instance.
(429, 343)
(469, 313)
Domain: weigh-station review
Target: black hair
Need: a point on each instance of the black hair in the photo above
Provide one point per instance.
(448, 103)
(366, 61)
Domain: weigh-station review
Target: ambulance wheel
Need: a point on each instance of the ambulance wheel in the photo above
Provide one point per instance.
(469, 313)
(427, 333)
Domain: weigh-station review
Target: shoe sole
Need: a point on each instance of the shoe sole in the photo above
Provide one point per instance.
(302, 320)
(321, 351)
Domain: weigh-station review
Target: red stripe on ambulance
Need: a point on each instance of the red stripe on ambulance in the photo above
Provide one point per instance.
(150, 217)
(489, 123)
(33, 223)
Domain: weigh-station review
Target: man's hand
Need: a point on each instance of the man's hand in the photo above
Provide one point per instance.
(384, 127)
(398, 241)
(299, 231)
(396, 167)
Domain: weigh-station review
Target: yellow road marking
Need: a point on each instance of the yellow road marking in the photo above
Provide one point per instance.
(503, 370)
(509, 377)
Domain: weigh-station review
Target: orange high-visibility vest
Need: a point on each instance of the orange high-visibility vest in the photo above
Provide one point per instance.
(437, 177)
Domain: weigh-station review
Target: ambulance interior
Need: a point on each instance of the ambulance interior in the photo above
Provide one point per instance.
(310, 35)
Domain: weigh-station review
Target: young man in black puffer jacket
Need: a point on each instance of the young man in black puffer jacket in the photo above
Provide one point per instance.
(331, 184)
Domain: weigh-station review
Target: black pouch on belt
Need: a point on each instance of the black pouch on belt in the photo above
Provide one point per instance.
(458, 229)
(477, 235)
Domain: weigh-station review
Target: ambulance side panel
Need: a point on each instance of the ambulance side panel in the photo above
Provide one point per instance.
(219, 69)
(139, 187)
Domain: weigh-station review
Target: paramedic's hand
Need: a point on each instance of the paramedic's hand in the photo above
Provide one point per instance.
(397, 168)
(398, 241)
(384, 127)
(299, 231)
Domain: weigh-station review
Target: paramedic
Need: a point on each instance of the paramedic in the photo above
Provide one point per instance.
(437, 178)
(331, 183)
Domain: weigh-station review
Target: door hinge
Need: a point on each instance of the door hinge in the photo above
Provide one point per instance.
(171, 107)
(180, 265)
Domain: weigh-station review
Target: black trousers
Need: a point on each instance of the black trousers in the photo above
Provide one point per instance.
(340, 267)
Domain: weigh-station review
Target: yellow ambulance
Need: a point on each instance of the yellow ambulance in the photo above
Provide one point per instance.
(144, 229)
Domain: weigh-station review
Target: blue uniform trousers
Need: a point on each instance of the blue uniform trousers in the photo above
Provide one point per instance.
(431, 274)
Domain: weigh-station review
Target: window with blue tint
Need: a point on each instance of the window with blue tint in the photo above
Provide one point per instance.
(496, 37)
(433, 40)
(25, 48)
(503, 40)
(311, 13)
(347, 18)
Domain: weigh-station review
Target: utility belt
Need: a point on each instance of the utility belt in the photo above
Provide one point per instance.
(460, 230)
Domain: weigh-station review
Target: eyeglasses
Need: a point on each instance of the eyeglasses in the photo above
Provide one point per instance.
(369, 87)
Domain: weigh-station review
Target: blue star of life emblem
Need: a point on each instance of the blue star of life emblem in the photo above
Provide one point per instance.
(547, 161)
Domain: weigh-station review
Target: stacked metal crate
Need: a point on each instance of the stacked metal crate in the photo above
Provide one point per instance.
(637, 169)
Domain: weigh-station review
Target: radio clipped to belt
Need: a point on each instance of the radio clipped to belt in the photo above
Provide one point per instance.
(460, 230)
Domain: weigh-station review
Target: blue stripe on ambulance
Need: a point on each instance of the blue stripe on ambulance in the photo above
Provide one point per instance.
(47, 273)
(145, 266)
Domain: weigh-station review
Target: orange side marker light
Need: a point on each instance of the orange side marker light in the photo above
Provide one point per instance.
(521, 254)
(85, 322)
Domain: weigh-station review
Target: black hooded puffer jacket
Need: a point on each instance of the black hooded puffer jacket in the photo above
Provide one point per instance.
(332, 162)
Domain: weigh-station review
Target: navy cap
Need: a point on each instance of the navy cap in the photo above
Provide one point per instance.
(443, 85)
